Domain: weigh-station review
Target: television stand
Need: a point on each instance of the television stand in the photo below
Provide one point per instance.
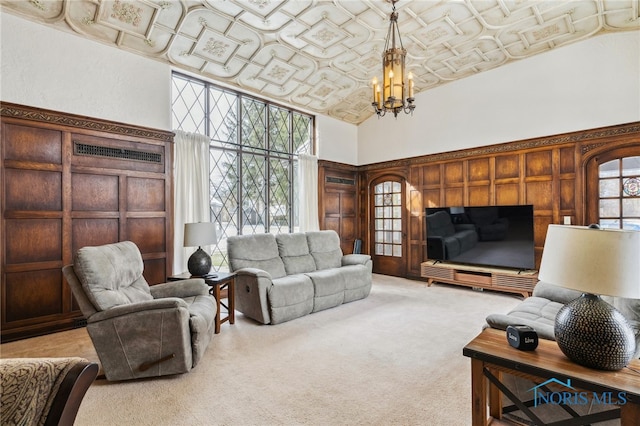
(500, 279)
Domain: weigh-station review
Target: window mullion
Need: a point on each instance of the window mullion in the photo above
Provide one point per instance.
(267, 171)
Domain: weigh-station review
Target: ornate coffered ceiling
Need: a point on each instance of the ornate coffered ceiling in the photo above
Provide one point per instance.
(321, 55)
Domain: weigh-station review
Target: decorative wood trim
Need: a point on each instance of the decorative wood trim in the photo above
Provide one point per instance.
(337, 166)
(526, 144)
(81, 122)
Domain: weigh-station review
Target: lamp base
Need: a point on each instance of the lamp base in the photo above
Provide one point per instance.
(591, 332)
(199, 263)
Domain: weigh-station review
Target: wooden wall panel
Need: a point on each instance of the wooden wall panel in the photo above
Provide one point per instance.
(567, 160)
(33, 190)
(547, 172)
(431, 175)
(539, 163)
(68, 182)
(148, 234)
(507, 166)
(507, 194)
(33, 240)
(480, 170)
(431, 198)
(479, 196)
(93, 232)
(540, 194)
(567, 195)
(34, 294)
(145, 194)
(153, 270)
(332, 203)
(93, 192)
(454, 173)
(454, 196)
(17, 144)
(339, 207)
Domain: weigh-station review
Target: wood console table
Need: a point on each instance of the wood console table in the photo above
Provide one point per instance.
(499, 279)
(491, 355)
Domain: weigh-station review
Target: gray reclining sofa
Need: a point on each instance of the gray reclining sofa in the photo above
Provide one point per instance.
(286, 276)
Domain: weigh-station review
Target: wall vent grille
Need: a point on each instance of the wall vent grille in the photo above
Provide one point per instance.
(79, 322)
(342, 181)
(120, 153)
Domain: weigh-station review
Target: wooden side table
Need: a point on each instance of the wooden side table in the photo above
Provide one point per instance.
(491, 355)
(222, 281)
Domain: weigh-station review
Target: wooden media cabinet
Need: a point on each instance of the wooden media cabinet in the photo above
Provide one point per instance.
(499, 279)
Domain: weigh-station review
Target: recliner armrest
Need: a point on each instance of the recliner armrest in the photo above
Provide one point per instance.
(183, 288)
(147, 305)
(255, 272)
(355, 259)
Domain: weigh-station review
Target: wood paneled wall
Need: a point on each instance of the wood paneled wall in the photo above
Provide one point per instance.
(547, 172)
(338, 197)
(68, 182)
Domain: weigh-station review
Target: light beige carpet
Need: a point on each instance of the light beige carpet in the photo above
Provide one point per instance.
(393, 358)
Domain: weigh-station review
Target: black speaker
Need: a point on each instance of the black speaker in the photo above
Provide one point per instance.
(522, 337)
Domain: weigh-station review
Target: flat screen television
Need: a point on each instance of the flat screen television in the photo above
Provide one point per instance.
(500, 236)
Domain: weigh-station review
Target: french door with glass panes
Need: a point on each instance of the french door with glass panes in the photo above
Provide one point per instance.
(388, 226)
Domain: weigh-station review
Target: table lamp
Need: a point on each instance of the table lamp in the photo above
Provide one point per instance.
(199, 234)
(588, 330)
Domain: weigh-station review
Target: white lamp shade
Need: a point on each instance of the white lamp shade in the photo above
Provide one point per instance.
(595, 261)
(199, 234)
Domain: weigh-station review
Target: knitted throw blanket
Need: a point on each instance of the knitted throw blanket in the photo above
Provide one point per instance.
(29, 386)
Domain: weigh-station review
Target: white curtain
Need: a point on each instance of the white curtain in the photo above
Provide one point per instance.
(308, 192)
(191, 190)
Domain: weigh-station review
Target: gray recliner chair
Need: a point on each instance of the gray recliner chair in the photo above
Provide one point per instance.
(139, 330)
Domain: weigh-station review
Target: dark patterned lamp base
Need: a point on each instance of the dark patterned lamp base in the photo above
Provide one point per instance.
(199, 263)
(591, 332)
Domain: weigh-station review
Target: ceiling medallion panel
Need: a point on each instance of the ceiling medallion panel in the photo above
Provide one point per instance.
(320, 55)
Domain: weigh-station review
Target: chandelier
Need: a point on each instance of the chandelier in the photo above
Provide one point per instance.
(391, 96)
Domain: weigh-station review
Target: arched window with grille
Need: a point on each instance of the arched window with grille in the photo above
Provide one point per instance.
(619, 193)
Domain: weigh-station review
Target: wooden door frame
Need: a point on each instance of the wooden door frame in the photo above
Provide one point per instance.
(371, 182)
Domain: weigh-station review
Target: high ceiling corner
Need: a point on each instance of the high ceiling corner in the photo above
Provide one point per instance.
(320, 55)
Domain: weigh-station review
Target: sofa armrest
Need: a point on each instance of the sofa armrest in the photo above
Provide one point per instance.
(254, 272)
(555, 293)
(465, 227)
(252, 286)
(147, 305)
(182, 288)
(355, 259)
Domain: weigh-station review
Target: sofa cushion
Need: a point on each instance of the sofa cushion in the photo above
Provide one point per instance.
(536, 312)
(328, 285)
(290, 297)
(255, 251)
(357, 281)
(324, 246)
(294, 251)
(111, 275)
